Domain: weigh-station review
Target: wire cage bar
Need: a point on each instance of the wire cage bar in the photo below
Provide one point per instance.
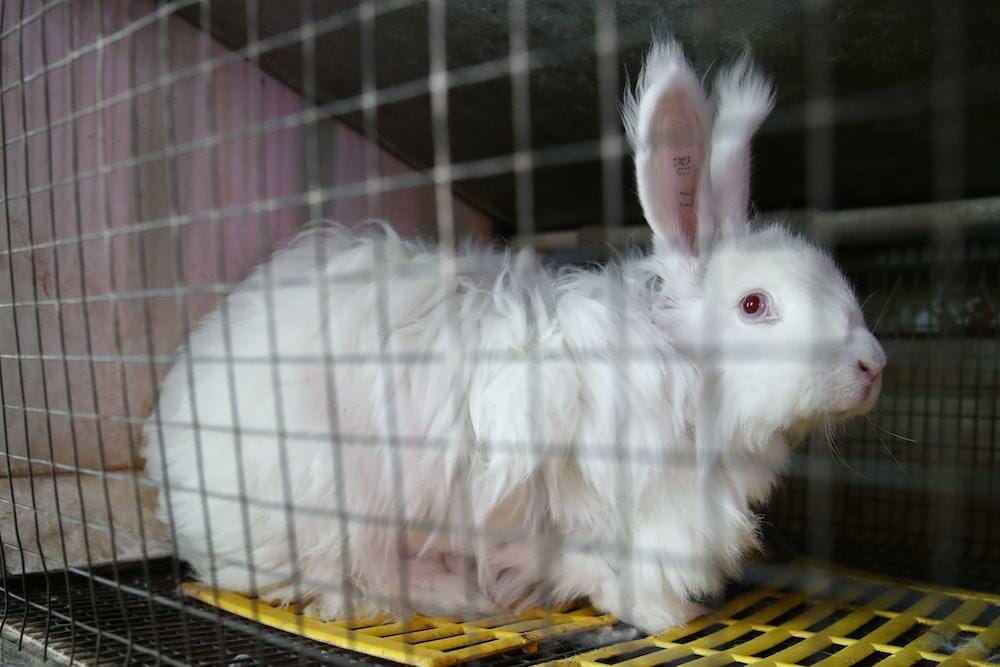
(157, 153)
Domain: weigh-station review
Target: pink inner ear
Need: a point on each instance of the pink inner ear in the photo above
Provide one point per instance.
(677, 148)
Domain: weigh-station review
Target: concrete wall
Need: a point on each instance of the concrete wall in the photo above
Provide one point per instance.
(112, 182)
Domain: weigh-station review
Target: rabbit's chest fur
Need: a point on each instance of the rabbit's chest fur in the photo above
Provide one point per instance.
(511, 404)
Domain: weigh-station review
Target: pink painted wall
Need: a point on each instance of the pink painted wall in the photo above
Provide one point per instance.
(103, 221)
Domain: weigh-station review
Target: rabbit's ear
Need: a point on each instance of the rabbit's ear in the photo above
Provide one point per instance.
(744, 99)
(667, 121)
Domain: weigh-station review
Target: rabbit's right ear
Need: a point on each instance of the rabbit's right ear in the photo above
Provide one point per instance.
(668, 123)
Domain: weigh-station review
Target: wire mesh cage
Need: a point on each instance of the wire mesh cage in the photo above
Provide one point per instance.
(564, 404)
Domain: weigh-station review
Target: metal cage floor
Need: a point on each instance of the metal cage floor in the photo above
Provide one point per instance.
(147, 621)
(789, 614)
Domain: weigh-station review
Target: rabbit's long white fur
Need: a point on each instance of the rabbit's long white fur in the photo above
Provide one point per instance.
(354, 426)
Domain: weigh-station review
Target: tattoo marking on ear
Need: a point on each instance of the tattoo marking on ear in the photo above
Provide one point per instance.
(686, 198)
(682, 165)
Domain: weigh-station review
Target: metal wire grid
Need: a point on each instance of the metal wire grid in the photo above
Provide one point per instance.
(148, 624)
(929, 448)
(607, 44)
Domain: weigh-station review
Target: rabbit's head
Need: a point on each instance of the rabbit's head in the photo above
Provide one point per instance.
(775, 327)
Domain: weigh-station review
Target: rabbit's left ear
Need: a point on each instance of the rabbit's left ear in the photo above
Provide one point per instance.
(744, 99)
(668, 124)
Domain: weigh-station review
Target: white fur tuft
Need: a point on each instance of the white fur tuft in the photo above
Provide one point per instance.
(664, 64)
(745, 95)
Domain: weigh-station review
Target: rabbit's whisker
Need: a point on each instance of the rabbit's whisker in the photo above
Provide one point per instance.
(882, 441)
(828, 431)
(892, 433)
(885, 308)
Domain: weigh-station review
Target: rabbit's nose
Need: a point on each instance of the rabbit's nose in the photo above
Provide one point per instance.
(871, 367)
(870, 355)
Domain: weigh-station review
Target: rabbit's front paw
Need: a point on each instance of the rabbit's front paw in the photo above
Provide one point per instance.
(332, 606)
(511, 576)
(650, 613)
(660, 616)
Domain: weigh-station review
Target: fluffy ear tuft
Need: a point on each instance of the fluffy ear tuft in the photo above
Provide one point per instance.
(667, 122)
(744, 99)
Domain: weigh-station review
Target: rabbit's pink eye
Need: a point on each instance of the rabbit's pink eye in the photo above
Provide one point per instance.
(756, 308)
(754, 304)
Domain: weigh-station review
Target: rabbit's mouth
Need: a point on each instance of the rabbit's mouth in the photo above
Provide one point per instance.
(868, 394)
(874, 390)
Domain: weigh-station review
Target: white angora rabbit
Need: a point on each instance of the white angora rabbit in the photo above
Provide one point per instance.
(369, 424)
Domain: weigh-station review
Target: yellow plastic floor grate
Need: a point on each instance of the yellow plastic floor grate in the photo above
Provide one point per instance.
(815, 616)
(423, 641)
(801, 615)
